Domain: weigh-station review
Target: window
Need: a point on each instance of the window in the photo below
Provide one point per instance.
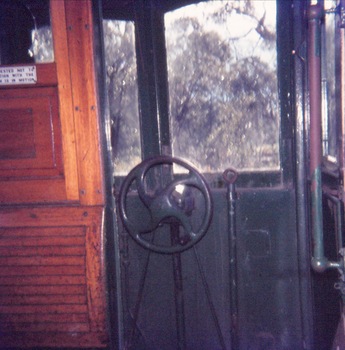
(223, 84)
(122, 93)
(331, 81)
(215, 68)
(25, 32)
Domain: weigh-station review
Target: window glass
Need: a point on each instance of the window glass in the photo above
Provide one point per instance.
(25, 32)
(223, 86)
(122, 94)
(331, 77)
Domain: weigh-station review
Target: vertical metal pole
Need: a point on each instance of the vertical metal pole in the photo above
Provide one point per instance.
(314, 76)
(319, 262)
(230, 176)
(178, 289)
(233, 265)
(301, 178)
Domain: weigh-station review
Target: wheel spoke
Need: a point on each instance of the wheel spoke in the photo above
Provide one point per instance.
(166, 205)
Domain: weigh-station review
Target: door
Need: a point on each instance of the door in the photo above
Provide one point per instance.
(205, 109)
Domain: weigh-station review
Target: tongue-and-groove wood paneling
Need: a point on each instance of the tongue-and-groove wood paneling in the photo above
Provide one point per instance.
(52, 269)
(52, 281)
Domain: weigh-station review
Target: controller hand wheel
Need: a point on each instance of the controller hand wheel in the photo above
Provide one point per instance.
(166, 204)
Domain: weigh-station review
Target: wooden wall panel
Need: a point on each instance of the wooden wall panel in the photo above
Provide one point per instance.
(52, 278)
(31, 164)
(81, 59)
(52, 270)
(17, 133)
(58, 306)
(59, 27)
(32, 191)
(30, 133)
(50, 129)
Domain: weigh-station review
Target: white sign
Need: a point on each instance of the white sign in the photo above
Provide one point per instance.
(18, 75)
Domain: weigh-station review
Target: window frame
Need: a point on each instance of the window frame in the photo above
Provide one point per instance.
(148, 18)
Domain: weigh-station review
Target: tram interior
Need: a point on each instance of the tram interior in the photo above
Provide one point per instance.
(171, 174)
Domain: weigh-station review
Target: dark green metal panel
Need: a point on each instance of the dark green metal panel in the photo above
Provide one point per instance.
(261, 304)
(156, 322)
(269, 313)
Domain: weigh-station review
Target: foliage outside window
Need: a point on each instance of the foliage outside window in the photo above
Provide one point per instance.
(122, 94)
(223, 90)
(223, 84)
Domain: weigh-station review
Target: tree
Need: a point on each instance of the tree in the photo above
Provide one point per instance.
(121, 76)
(224, 104)
(223, 95)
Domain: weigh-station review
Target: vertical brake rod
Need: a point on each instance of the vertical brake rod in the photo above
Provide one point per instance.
(320, 263)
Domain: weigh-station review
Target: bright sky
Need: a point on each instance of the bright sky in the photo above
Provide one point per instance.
(238, 26)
